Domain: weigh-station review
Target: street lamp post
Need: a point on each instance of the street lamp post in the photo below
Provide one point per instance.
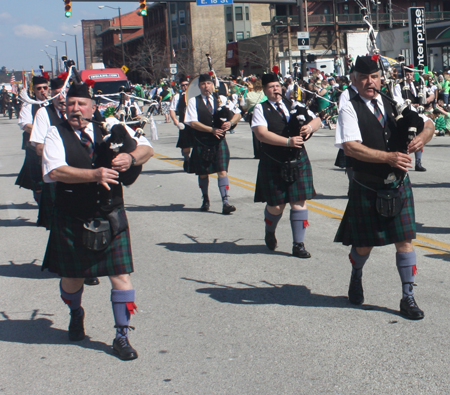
(65, 45)
(121, 32)
(57, 57)
(76, 46)
(51, 61)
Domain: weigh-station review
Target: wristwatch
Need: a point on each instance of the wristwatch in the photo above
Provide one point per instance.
(232, 124)
(133, 160)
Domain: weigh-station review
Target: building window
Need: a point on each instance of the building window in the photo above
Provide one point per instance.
(183, 42)
(247, 14)
(239, 36)
(326, 10)
(238, 14)
(173, 8)
(247, 34)
(229, 13)
(413, 3)
(97, 29)
(427, 6)
(174, 32)
(345, 9)
(230, 37)
(182, 17)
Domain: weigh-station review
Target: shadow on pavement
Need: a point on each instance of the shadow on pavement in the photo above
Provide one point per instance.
(421, 228)
(222, 247)
(282, 294)
(30, 270)
(20, 206)
(164, 172)
(17, 222)
(9, 175)
(171, 207)
(40, 331)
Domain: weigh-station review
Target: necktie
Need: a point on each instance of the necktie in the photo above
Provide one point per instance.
(377, 112)
(208, 105)
(280, 110)
(87, 143)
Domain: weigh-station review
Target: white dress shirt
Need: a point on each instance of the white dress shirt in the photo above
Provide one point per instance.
(258, 113)
(191, 111)
(41, 123)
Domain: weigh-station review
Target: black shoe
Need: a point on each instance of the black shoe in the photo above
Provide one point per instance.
(186, 166)
(205, 205)
(91, 281)
(299, 251)
(419, 167)
(122, 348)
(228, 208)
(271, 240)
(76, 326)
(409, 309)
(355, 291)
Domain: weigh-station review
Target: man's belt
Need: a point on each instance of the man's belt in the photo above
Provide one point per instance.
(372, 179)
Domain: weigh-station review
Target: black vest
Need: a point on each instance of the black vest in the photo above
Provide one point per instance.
(53, 115)
(83, 200)
(375, 136)
(34, 108)
(206, 118)
(181, 107)
(279, 125)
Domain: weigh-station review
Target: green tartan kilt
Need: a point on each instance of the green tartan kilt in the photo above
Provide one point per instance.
(271, 188)
(30, 176)
(185, 138)
(46, 205)
(201, 167)
(66, 255)
(362, 226)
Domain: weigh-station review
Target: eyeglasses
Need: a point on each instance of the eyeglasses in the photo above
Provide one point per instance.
(39, 88)
(184, 84)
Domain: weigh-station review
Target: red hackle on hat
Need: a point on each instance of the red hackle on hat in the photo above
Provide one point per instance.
(63, 76)
(276, 69)
(90, 82)
(211, 73)
(46, 76)
(375, 58)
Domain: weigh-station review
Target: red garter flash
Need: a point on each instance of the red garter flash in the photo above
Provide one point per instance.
(351, 259)
(305, 223)
(268, 221)
(66, 301)
(414, 270)
(131, 307)
(227, 187)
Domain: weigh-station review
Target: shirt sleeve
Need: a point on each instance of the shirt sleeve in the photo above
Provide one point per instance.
(25, 115)
(258, 117)
(191, 112)
(174, 102)
(54, 155)
(41, 124)
(347, 128)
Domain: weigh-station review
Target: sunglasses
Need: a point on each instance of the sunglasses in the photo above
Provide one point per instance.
(39, 88)
(184, 84)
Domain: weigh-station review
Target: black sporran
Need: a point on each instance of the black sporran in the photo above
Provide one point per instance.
(289, 171)
(96, 234)
(208, 154)
(389, 202)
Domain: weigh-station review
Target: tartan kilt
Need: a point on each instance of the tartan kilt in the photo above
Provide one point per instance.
(185, 138)
(201, 167)
(271, 188)
(362, 226)
(66, 255)
(46, 205)
(30, 176)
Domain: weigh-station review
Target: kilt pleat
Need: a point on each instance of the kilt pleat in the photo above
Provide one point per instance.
(30, 176)
(185, 138)
(46, 205)
(362, 226)
(66, 255)
(271, 188)
(201, 167)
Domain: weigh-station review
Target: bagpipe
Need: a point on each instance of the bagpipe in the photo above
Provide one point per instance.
(409, 123)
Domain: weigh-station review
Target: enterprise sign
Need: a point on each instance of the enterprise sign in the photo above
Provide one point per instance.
(417, 36)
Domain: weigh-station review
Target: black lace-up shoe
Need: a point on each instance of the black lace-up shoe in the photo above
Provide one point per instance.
(271, 240)
(419, 167)
(228, 209)
(76, 326)
(299, 251)
(122, 348)
(205, 205)
(355, 291)
(409, 309)
(91, 281)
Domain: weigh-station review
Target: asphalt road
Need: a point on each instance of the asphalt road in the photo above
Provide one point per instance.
(218, 312)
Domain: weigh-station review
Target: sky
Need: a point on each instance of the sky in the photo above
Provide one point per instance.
(27, 26)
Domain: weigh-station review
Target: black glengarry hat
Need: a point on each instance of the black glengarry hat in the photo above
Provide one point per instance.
(37, 80)
(367, 64)
(268, 78)
(80, 90)
(204, 78)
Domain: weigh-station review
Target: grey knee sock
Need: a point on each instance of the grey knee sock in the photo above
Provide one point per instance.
(358, 262)
(223, 184)
(72, 300)
(271, 220)
(418, 156)
(123, 306)
(299, 222)
(203, 183)
(406, 265)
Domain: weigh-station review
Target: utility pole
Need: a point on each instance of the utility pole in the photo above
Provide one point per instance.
(301, 28)
(289, 42)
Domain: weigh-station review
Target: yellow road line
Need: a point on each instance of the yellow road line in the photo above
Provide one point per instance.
(437, 247)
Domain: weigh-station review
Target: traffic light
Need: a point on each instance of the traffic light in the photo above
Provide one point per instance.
(68, 8)
(143, 7)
